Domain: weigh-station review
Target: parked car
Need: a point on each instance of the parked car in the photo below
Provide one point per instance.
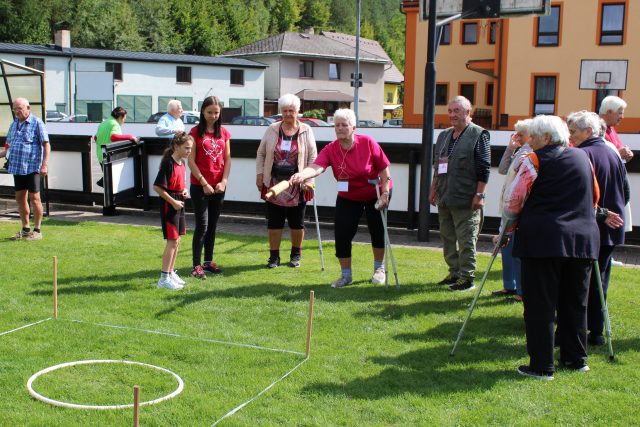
(308, 120)
(252, 121)
(75, 118)
(368, 124)
(392, 123)
(313, 122)
(188, 117)
(55, 116)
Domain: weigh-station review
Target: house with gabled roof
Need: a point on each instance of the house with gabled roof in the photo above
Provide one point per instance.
(318, 69)
(393, 78)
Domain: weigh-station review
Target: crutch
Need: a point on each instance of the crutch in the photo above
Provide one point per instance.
(387, 243)
(605, 309)
(315, 211)
(496, 249)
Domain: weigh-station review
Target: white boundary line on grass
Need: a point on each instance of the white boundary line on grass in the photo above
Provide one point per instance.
(149, 331)
(62, 404)
(233, 411)
(25, 326)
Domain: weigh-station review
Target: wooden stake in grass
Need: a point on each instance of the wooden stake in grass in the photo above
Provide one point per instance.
(55, 287)
(136, 406)
(312, 298)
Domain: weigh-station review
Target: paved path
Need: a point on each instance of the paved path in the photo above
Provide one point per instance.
(255, 225)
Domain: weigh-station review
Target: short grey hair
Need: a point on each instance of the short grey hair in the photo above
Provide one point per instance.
(553, 127)
(174, 104)
(464, 102)
(288, 100)
(523, 125)
(345, 114)
(612, 103)
(585, 120)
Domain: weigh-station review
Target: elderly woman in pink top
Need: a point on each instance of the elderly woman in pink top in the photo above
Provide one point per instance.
(355, 159)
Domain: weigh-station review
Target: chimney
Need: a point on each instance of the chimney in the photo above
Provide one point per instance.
(62, 35)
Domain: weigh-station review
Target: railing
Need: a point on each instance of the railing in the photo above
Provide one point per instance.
(73, 171)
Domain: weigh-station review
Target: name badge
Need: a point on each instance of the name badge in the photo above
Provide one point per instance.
(443, 166)
(286, 145)
(343, 186)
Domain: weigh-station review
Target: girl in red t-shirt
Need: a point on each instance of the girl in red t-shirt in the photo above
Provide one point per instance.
(210, 163)
(171, 187)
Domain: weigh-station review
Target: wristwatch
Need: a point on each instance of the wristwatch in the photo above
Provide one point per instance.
(481, 195)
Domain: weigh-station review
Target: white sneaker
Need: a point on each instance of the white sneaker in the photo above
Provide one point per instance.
(341, 282)
(168, 283)
(616, 263)
(177, 279)
(379, 276)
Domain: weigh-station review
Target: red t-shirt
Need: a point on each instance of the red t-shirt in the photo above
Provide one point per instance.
(362, 162)
(612, 136)
(171, 176)
(210, 155)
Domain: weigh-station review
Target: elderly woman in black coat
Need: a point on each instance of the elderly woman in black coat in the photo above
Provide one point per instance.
(553, 199)
(584, 128)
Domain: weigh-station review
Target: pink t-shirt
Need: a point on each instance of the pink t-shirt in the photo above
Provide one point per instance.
(612, 136)
(362, 162)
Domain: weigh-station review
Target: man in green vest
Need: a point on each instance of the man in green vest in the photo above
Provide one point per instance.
(461, 162)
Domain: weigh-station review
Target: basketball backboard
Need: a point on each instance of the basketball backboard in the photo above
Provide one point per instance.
(608, 74)
(447, 8)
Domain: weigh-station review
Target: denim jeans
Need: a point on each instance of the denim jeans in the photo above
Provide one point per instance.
(511, 274)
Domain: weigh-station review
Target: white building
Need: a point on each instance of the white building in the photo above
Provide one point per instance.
(94, 81)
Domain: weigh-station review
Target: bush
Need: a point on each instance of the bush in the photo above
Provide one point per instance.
(318, 113)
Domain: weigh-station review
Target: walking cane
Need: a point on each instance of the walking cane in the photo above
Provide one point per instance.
(387, 242)
(315, 211)
(605, 309)
(496, 249)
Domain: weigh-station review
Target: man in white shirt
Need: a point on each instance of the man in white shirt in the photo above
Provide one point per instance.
(171, 123)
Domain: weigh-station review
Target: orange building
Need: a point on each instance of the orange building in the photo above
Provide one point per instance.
(514, 68)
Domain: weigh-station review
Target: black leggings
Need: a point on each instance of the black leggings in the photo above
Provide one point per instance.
(207, 210)
(347, 216)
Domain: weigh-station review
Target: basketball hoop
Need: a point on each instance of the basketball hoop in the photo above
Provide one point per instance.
(602, 79)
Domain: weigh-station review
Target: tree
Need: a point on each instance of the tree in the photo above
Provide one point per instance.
(156, 27)
(284, 16)
(316, 14)
(107, 24)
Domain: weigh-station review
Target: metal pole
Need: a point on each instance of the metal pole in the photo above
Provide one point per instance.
(356, 86)
(427, 127)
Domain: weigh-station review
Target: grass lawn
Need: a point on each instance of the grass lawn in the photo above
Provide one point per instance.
(379, 356)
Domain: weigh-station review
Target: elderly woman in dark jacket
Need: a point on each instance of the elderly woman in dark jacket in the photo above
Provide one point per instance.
(553, 198)
(584, 128)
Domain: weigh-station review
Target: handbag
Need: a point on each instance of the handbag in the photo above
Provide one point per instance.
(283, 172)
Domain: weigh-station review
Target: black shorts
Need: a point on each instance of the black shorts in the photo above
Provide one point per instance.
(277, 214)
(29, 182)
(173, 222)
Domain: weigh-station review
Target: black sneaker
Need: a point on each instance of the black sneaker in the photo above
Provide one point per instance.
(273, 262)
(462, 285)
(595, 339)
(528, 372)
(212, 267)
(449, 280)
(294, 261)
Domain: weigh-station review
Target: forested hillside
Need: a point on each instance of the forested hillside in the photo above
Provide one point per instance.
(201, 27)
